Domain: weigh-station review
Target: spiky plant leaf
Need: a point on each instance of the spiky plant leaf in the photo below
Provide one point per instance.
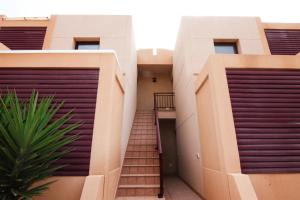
(31, 140)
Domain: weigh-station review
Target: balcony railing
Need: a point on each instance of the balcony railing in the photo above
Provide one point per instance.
(164, 101)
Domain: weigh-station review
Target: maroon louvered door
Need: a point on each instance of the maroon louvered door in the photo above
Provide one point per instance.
(266, 112)
(78, 88)
(23, 38)
(283, 41)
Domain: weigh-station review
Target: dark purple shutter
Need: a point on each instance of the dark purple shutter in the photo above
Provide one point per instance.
(266, 111)
(23, 38)
(283, 41)
(78, 88)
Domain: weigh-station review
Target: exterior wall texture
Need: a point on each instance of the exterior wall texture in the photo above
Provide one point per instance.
(207, 149)
(221, 164)
(146, 88)
(113, 32)
(195, 42)
(105, 161)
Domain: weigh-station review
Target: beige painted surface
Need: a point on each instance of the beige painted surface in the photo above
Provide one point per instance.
(221, 164)
(113, 180)
(115, 33)
(209, 140)
(281, 25)
(23, 21)
(276, 186)
(240, 187)
(166, 114)
(146, 89)
(93, 188)
(64, 188)
(105, 152)
(3, 47)
(194, 45)
(263, 37)
(147, 57)
(48, 36)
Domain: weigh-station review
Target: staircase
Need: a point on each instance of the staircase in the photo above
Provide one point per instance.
(140, 172)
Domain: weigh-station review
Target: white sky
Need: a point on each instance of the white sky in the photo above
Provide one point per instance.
(156, 21)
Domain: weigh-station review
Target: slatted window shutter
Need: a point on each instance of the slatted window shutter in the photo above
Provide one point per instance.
(23, 38)
(266, 112)
(283, 41)
(78, 88)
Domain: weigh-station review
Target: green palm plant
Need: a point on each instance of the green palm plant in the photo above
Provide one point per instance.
(31, 140)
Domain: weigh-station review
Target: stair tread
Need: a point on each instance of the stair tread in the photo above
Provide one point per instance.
(134, 157)
(143, 144)
(127, 175)
(141, 165)
(154, 150)
(143, 139)
(139, 186)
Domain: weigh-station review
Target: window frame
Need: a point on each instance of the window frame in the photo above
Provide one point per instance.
(232, 43)
(78, 43)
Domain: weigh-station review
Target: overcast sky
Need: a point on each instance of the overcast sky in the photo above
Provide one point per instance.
(156, 21)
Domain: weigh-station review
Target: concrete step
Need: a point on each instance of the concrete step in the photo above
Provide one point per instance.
(143, 131)
(138, 190)
(142, 142)
(140, 169)
(142, 147)
(139, 179)
(143, 137)
(152, 153)
(141, 161)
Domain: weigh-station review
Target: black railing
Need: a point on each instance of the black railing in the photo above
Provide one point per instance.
(160, 152)
(164, 101)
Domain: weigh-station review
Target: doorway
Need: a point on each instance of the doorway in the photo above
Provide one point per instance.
(169, 146)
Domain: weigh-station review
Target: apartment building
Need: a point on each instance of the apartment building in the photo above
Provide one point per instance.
(220, 111)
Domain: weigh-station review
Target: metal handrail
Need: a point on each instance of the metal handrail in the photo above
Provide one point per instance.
(163, 101)
(160, 152)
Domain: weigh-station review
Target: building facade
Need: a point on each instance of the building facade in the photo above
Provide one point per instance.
(220, 111)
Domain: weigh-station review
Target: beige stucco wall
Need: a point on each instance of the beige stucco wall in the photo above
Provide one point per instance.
(276, 186)
(146, 89)
(114, 32)
(147, 57)
(105, 161)
(222, 177)
(194, 44)
(150, 66)
(63, 188)
(3, 47)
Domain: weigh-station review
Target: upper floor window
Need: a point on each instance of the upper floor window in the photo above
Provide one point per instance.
(226, 47)
(90, 45)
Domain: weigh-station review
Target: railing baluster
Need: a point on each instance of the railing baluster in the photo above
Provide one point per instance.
(164, 101)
